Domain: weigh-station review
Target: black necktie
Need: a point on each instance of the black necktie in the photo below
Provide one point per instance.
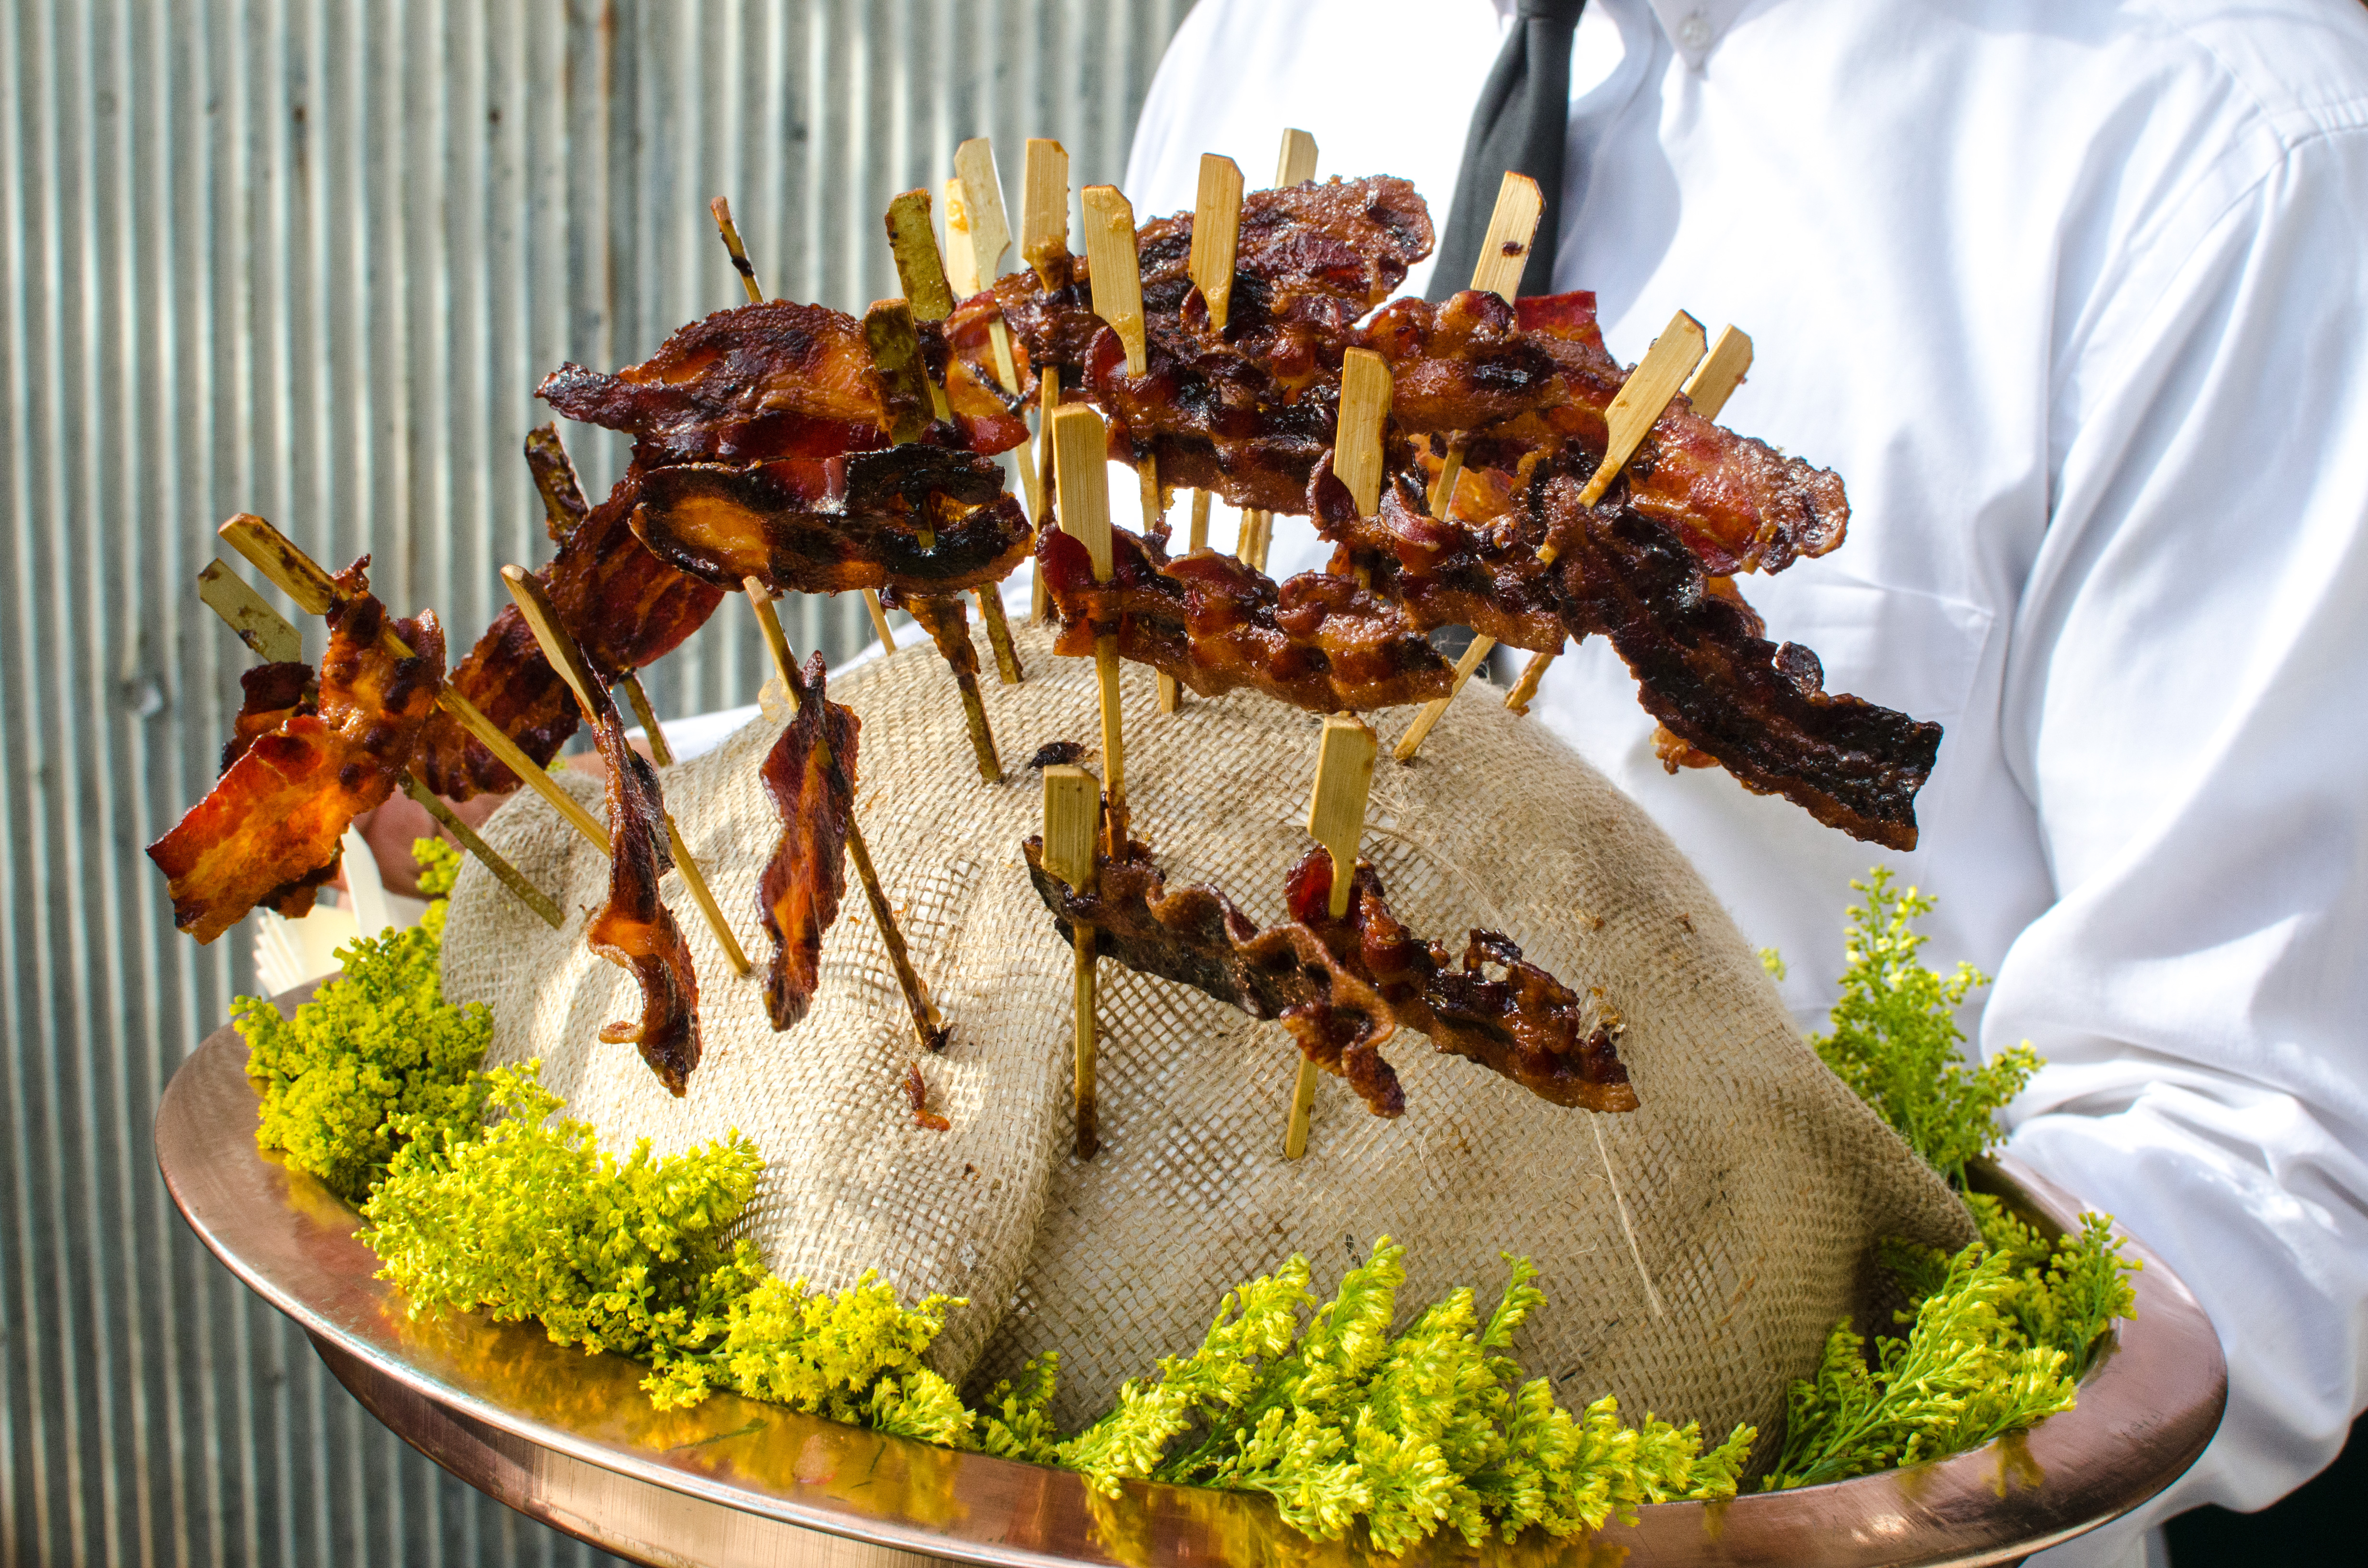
(1519, 124)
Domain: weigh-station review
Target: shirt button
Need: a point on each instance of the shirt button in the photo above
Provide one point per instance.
(1694, 31)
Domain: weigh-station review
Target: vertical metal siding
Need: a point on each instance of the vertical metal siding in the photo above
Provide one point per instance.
(308, 258)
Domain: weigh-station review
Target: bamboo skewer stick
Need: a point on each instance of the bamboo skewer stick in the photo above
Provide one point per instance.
(930, 290)
(267, 632)
(1643, 398)
(563, 512)
(722, 212)
(1504, 252)
(986, 234)
(566, 657)
(299, 577)
(1336, 819)
(1721, 372)
(927, 1022)
(1071, 804)
(1118, 299)
(1043, 239)
(1078, 434)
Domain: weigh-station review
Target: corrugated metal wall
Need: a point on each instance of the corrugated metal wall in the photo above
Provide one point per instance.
(309, 259)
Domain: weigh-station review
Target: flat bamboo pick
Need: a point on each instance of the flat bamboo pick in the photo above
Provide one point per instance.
(261, 628)
(1504, 252)
(1072, 802)
(267, 632)
(988, 233)
(1044, 208)
(1044, 241)
(1078, 435)
(564, 511)
(1217, 231)
(1295, 165)
(913, 241)
(904, 388)
(926, 1021)
(1642, 400)
(1336, 819)
(568, 660)
(1197, 535)
(299, 577)
(930, 293)
(1366, 391)
(1118, 299)
(1722, 372)
(721, 210)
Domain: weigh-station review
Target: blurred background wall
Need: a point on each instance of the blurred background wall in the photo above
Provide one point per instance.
(308, 258)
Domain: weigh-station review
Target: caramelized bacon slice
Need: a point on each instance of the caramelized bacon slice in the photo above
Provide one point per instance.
(829, 526)
(1705, 673)
(1528, 1025)
(1215, 421)
(624, 605)
(267, 832)
(1464, 364)
(1484, 575)
(270, 696)
(771, 380)
(634, 929)
(1195, 937)
(563, 506)
(810, 774)
(1318, 642)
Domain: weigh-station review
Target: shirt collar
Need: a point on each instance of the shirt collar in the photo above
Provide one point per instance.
(1694, 27)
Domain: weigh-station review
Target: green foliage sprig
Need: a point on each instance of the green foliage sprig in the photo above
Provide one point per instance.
(2000, 1334)
(1345, 1424)
(1893, 1034)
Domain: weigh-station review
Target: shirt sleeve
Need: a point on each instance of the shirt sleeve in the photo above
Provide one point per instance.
(2181, 708)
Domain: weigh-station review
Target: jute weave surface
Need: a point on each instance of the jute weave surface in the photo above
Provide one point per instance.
(1693, 1252)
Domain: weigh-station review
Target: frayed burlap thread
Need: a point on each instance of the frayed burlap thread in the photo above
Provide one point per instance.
(1694, 1252)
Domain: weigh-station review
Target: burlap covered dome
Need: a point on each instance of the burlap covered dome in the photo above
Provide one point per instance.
(1693, 1252)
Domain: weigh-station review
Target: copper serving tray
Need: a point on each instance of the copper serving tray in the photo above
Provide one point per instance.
(571, 1440)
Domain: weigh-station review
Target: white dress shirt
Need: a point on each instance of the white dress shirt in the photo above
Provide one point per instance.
(2072, 295)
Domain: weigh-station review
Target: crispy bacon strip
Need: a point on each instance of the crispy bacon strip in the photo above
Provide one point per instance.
(829, 526)
(1195, 937)
(634, 929)
(1528, 1025)
(813, 786)
(1317, 641)
(267, 832)
(563, 506)
(1343, 986)
(270, 696)
(624, 605)
(770, 381)
(1484, 575)
(1705, 673)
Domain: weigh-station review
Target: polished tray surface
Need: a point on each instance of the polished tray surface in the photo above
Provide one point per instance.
(571, 1439)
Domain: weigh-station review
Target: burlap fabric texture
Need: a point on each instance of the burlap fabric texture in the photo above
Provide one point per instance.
(1693, 1252)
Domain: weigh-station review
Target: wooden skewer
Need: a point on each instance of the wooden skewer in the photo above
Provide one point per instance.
(1295, 165)
(985, 235)
(1365, 389)
(564, 511)
(1504, 252)
(1118, 299)
(721, 210)
(1078, 434)
(927, 1022)
(1072, 802)
(930, 292)
(267, 631)
(1044, 243)
(1643, 398)
(299, 577)
(568, 660)
(1336, 819)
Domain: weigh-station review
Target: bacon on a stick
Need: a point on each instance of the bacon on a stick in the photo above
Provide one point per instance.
(1343, 986)
(270, 695)
(1317, 641)
(1446, 572)
(634, 929)
(826, 527)
(1195, 937)
(775, 380)
(810, 775)
(1715, 683)
(268, 830)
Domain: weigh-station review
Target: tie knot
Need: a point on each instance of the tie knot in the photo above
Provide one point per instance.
(1562, 12)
